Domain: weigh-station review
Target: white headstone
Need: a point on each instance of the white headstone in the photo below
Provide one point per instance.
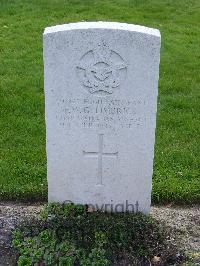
(101, 82)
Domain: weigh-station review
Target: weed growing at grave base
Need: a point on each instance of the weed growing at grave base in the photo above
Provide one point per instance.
(70, 235)
(22, 127)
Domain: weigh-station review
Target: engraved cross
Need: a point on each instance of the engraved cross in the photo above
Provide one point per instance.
(99, 155)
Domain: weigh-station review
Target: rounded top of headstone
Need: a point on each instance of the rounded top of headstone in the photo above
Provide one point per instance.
(102, 25)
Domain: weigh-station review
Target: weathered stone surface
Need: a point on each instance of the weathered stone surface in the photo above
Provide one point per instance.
(100, 98)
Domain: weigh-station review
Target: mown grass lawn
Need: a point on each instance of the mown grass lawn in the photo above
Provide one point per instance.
(22, 129)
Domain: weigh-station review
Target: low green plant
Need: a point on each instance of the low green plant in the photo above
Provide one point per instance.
(69, 234)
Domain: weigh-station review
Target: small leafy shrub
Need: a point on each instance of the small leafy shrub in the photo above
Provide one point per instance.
(68, 234)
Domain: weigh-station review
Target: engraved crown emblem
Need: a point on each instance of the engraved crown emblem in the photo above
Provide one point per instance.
(101, 70)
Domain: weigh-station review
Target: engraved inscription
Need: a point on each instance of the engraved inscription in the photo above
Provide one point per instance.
(101, 70)
(99, 155)
(100, 113)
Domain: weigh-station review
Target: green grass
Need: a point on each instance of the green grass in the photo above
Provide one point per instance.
(22, 128)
